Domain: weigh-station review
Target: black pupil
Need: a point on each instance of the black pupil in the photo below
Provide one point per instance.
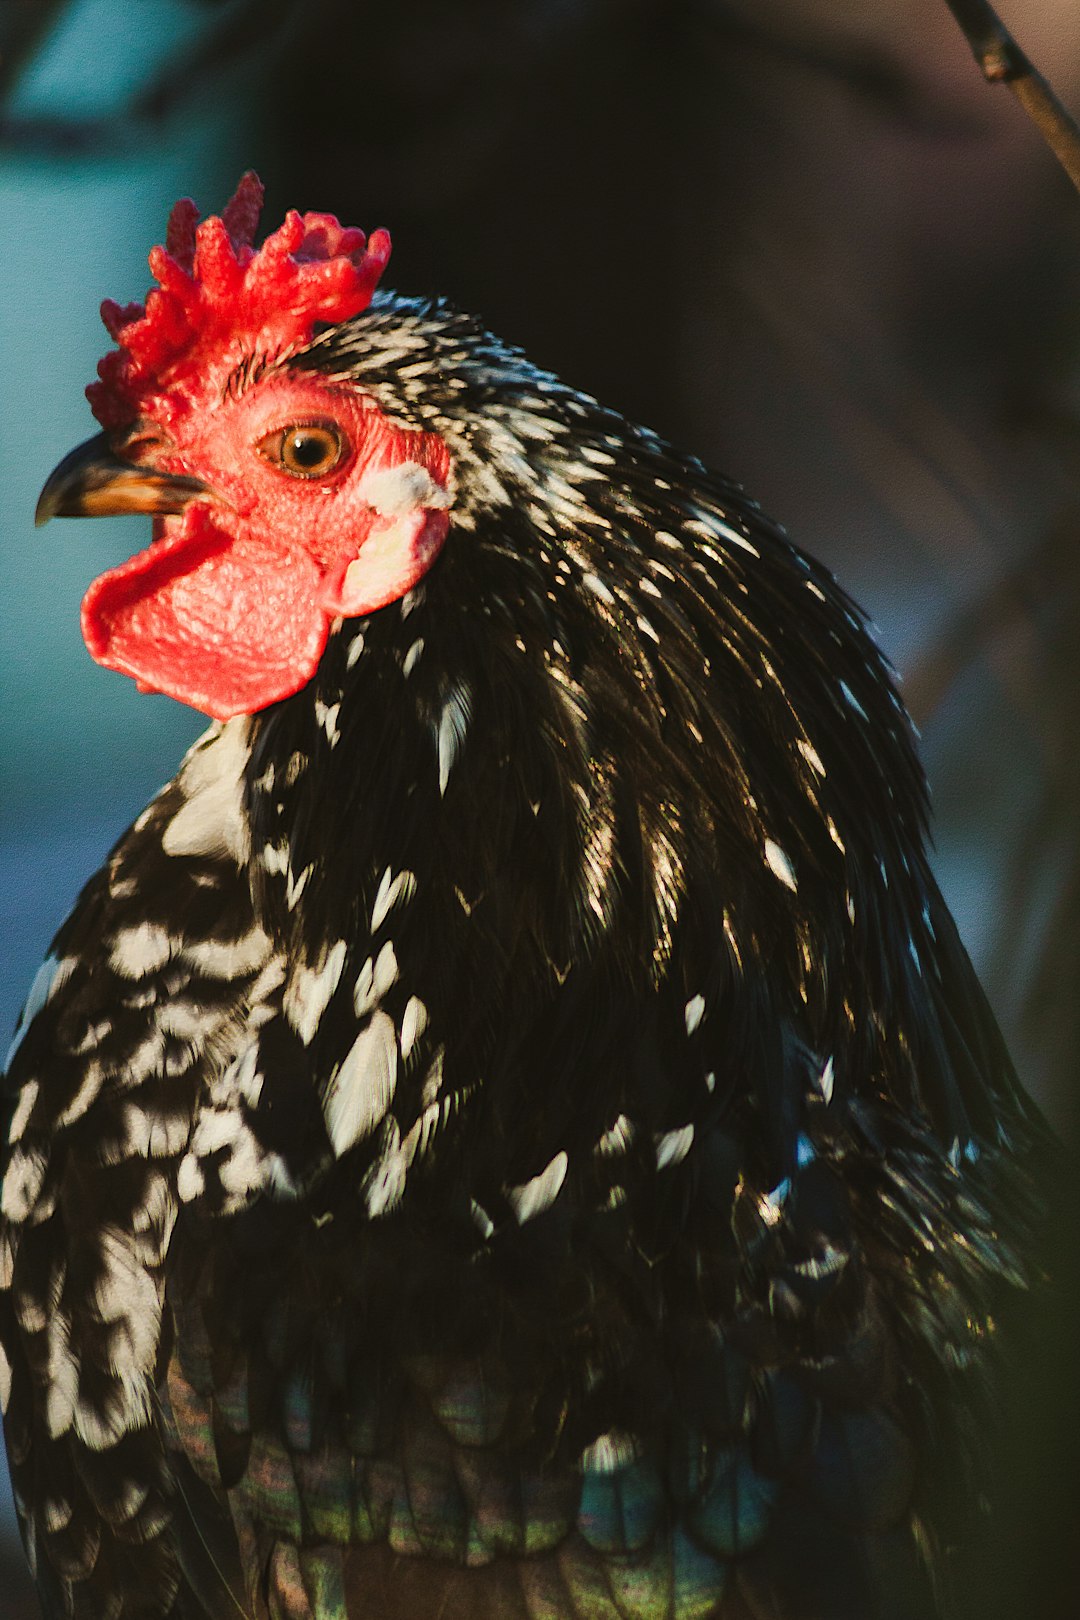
(310, 449)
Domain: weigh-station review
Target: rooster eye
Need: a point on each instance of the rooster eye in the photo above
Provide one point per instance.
(305, 449)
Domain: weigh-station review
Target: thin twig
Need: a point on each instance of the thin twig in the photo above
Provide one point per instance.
(1003, 62)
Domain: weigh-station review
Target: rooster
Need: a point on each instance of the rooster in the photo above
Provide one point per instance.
(512, 1130)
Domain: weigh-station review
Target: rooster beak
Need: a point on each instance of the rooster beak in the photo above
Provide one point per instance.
(93, 481)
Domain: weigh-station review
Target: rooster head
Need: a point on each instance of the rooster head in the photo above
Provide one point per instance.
(282, 499)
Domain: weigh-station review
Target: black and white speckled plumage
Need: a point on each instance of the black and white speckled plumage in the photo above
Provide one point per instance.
(512, 1130)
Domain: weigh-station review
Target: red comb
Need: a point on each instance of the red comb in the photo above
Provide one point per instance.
(218, 297)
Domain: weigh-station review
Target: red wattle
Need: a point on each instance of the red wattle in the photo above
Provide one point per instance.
(221, 622)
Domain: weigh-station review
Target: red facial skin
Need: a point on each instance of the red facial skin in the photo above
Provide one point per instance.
(230, 607)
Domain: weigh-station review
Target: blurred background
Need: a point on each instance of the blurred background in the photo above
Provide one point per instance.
(801, 237)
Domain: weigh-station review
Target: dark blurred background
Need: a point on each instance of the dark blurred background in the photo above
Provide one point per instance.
(801, 237)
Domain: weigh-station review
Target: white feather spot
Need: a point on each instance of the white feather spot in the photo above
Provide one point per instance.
(386, 971)
(356, 648)
(617, 1139)
(275, 859)
(451, 729)
(434, 1078)
(140, 951)
(154, 1135)
(485, 1225)
(735, 537)
(413, 1024)
(148, 1057)
(213, 820)
(851, 700)
(811, 756)
(326, 715)
(228, 959)
(217, 1128)
(771, 1204)
(778, 863)
(63, 1389)
(421, 1132)
(393, 491)
(28, 1096)
(386, 1181)
(609, 1453)
(271, 978)
(243, 1075)
(56, 1512)
(23, 1181)
(190, 1182)
(827, 1262)
(308, 992)
(363, 1000)
(392, 891)
(826, 1080)
(362, 1090)
(295, 886)
(694, 1012)
(533, 1197)
(412, 657)
(374, 980)
(673, 1146)
(123, 1291)
(598, 588)
(184, 1019)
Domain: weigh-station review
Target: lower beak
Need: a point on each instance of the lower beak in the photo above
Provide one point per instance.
(93, 481)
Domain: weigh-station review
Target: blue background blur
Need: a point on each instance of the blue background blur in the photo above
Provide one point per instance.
(806, 242)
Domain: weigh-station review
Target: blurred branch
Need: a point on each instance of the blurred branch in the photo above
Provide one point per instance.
(241, 30)
(23, 26)
(247, 27)
(1003, 62)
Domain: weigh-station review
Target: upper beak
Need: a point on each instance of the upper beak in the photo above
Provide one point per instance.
(93, 481)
